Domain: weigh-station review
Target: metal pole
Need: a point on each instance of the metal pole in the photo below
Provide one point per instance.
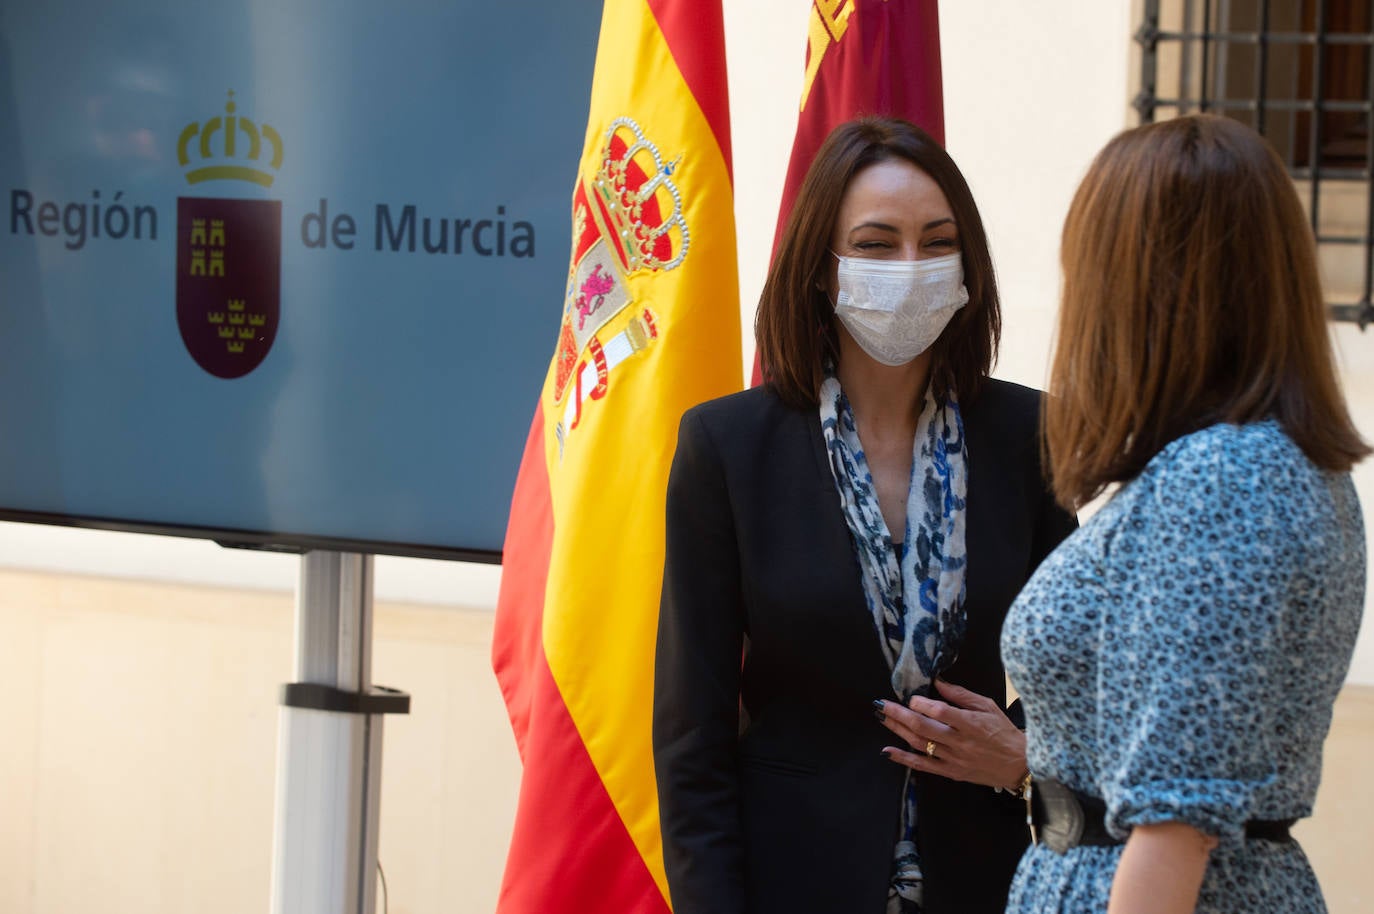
(1148, 38)
(1368, 299)
(1206, 48)
(1185, 57)
(1262, 68)
(1221, 86)
(1318, 94)
(329, 753)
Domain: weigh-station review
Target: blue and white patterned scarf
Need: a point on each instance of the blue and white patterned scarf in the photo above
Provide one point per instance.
(919, 637)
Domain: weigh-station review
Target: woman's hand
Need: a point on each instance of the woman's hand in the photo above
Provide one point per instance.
(973, 739)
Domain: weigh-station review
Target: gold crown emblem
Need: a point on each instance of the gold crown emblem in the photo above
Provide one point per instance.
(642, 205)
(220, 144)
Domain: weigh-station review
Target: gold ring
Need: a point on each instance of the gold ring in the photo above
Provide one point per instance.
(930, 748)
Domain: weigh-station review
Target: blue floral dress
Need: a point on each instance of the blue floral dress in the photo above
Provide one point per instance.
(1179, 655)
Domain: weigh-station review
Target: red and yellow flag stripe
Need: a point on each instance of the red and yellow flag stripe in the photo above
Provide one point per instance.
(650, 327)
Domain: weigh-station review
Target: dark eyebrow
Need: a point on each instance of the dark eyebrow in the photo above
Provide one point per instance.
(883, 226)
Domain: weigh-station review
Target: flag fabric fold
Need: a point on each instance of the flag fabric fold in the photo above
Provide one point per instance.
(650, 327)
(878, 57)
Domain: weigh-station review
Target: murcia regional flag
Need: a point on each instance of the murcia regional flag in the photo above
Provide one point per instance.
(650, 327)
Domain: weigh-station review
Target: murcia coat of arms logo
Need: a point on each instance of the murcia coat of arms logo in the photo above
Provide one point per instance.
(228, 288)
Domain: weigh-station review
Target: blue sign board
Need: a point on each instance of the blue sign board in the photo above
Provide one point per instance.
(283, 273)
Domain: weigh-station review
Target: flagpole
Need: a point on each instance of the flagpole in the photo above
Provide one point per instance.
(329, 751)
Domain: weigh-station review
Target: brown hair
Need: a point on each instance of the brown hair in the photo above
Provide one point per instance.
(1190, 297)
(795, 324)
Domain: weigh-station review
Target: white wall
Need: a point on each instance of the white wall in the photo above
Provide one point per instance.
(1029, 99)
(189, 561)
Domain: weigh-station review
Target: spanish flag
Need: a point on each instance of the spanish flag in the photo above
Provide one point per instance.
(864, 57)
(650, 327)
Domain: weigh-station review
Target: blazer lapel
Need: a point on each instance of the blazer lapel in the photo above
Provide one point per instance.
(839, 549)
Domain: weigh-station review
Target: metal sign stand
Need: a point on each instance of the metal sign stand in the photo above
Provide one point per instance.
(329, 748)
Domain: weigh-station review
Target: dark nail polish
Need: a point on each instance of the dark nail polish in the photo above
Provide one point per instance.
(878, 710)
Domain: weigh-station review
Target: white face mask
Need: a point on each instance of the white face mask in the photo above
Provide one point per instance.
(897, 309)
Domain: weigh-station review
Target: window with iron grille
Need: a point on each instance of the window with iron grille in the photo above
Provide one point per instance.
(1301, 72)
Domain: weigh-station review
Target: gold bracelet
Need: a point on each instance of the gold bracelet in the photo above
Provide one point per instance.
(1022, 785)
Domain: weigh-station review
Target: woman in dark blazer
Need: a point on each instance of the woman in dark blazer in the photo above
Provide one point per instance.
(829, 725)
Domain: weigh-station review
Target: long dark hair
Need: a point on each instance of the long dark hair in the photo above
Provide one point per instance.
(795, 325)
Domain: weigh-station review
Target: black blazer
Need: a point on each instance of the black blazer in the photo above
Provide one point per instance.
(772, 792)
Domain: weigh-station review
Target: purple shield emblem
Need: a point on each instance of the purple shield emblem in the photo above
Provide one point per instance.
(228, 281)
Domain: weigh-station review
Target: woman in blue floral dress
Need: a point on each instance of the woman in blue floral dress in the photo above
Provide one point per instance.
(1178, 657)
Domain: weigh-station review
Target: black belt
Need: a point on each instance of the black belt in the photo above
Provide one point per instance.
(1062, 818)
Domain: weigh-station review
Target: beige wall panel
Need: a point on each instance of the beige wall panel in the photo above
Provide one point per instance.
(22, 611)
(1338, 839)
(450, 772)
(153, 788)
(139, 771)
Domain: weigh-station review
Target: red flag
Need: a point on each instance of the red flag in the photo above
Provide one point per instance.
(864, 57)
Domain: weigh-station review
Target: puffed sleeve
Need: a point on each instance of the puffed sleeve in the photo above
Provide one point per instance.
(696, 684)
(1201, 578)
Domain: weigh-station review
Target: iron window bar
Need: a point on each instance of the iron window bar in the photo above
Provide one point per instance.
(1297, 38)
(1147, 103)
(1273, 104)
